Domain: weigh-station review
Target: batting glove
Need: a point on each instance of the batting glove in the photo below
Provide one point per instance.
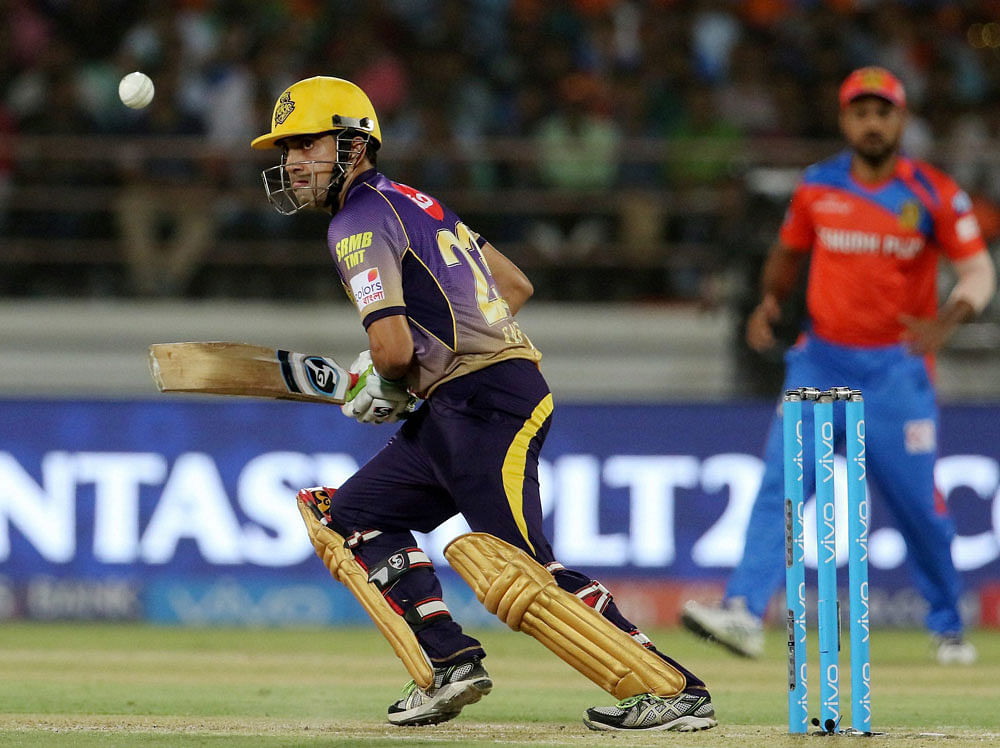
(374, 399)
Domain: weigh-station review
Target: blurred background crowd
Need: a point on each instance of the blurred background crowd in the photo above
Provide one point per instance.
(618, 149)
(637, 152)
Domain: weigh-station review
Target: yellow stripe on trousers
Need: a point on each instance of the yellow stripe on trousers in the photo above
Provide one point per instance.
(514, 462)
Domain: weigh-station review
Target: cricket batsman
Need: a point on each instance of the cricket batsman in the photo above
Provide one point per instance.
(438, 303)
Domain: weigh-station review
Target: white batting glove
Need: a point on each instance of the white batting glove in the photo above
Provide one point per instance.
(374, 399)
(361, 363)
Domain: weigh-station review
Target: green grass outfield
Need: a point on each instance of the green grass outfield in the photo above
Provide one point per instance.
(88, 685)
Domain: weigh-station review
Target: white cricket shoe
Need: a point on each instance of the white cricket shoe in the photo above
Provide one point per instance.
(729, 624)
(685, 712)
(454, 687)
(952, 649)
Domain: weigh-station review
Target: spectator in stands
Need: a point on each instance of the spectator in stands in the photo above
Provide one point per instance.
(701, 168)
(746, 99)
(578, 150)
(498, 68)
(46, 100)
(6, 164)
(168, 194)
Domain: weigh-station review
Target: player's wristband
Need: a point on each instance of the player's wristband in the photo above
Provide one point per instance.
(397, 383)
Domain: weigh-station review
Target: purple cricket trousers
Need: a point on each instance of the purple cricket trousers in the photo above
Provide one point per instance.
(471, 448)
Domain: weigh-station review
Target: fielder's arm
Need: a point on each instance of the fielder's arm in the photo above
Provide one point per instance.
(778, 278)
(973, 291)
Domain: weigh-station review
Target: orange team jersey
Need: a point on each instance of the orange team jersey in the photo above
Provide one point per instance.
(875, 247)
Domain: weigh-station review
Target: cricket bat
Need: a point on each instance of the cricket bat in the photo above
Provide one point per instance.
(248, 370)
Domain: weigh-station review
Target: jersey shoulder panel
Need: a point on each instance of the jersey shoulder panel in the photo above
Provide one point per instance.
(940, 186)
(831, 172)
(367, 240)
(409, 204)
(369, 211)
(797, 230)
(956, 228)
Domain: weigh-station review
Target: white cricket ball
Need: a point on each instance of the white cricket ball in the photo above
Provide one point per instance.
(135, 90)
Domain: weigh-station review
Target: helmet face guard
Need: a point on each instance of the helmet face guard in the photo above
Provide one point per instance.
(287, 199)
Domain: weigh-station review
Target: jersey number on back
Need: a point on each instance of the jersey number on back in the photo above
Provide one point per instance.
(459, 246)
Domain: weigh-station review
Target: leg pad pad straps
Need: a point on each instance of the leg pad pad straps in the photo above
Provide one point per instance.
(330, 548)
(526, 597)
(426, 612)
(385, 573)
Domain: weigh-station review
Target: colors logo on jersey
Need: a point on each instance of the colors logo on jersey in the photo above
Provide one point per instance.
(367, 288)
(283, 108)
(427, 203)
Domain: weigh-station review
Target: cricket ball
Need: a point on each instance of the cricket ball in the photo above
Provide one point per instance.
(135, 90)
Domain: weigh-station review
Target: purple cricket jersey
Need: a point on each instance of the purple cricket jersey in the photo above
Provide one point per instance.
(400, 251)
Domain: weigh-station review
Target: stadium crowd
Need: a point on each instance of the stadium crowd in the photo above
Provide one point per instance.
(563, 96)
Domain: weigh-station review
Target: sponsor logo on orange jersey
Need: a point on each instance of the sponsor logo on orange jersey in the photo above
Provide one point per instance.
(831, 202)
(847, 241)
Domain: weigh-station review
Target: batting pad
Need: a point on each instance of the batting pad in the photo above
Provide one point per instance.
(526, 597)
(345, 569)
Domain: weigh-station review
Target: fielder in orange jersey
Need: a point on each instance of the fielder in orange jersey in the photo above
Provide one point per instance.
(875, 224)
(438, 303)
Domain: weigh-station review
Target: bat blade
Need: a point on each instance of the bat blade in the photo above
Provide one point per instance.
(222, 368)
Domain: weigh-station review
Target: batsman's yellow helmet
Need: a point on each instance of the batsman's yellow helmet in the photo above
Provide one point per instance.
(317, 105)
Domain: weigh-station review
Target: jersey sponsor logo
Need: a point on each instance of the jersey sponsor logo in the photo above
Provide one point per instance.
(903, 247)
(967, 228)
(961, 203)
(427, 203)
(353, 243)
(351, 249)
(367, 288)
(831, 202)
(283, 108)
(846, 241)
(851, 242)
(919, 436)
(909, 215)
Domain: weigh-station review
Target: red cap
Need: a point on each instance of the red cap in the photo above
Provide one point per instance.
(872, 82)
